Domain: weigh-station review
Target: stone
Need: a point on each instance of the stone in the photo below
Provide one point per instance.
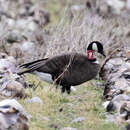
(125, 109)
(73, 89)
(12, 88)
(68, 128)
(35, 100)
(128, 7)
(122, 84)
(13, 116)
(105, 104)
(110, 117)
(7, 66)
(116, 102)
(116, 5)
(14, 36)
(11, 23)
(76, 9)
(45, 118)
(116, 61)
(42, 17)
(79, 119)
(28, 47)
(27, 24)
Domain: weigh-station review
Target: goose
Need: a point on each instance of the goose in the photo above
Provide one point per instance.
(68, 69)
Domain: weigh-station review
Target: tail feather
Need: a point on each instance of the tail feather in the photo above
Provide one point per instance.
(28, 65)
(31, 66)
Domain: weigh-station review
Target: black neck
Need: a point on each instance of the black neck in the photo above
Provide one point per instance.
(92, 60)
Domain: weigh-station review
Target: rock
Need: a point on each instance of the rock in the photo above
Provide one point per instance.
(13, 89)
(32, 26)
(29, 24)
(13, 116)
(126, 75)
(76, 9)
(125, 67)
(116, 102)
(125, 110)
(99, 84)
(79, 119)
(105, 104)
(111, 92)
(17, 53)
(116, 5)
(46, 118)
(128, 6)
(14, 36)
(73, 89)
(121, 84)
(35, 100)
(68, 128)
(108, 66)
(128, 127)
(7, 66)
(11, 23)
(28, 47)
(42, 17)
(116, 61)
(110, 117)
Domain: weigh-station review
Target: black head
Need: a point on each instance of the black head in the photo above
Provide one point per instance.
(96, 46)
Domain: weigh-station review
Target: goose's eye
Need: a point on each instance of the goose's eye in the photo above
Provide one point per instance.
(3, 56)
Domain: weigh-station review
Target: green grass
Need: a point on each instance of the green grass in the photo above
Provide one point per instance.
(61, 109)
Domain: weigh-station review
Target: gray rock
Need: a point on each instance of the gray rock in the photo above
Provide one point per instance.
(68, 128)
(12, 88)
(24, 24)
(11, 23)
(35, 100)
(105, 104)
(116, 61)
(46, 118)
(110, 117)
(28, 47)
(128, 4)
(116, 102)
(122, 84)
(73, 89)
(14, 36)
(13, 116)
(108, 66)
(116, 5)
(79, 119)
(7, 66)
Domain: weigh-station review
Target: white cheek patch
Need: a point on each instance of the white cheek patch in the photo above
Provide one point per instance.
(44, 76)
(94, 47)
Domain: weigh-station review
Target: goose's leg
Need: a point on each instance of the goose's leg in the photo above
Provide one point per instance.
(63, 89)
(68, 89)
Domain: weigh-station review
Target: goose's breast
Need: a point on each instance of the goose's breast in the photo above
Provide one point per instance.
(81, 73)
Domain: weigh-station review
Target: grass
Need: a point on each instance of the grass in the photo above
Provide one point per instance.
(58, 110)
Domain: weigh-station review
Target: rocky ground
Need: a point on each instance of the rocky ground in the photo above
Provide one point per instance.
(34, 29)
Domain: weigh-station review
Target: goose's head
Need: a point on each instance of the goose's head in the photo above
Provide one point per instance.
(95, 46)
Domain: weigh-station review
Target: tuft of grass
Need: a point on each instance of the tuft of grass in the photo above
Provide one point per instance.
(58, 110)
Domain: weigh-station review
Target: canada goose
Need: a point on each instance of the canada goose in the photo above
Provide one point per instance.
(68, 69)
